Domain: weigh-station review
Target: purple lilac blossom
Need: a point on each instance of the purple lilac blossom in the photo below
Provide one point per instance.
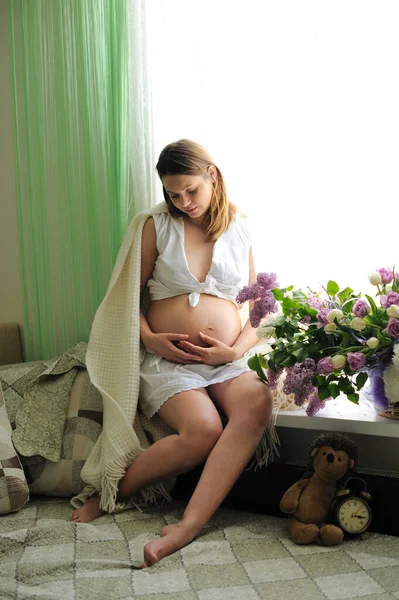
(248, 292)
(316, 302)
(315, 404)
(322, 317)
(273, 377)
(267, 280)
(299, 376)
(306, 320)
(325, 366)
(386, 275)
(266, 304)
(393, 328)
(303, 394)
(391, 298)
(361, 308)
(356, 360)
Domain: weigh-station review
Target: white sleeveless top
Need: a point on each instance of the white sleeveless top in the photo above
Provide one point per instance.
(228, 273)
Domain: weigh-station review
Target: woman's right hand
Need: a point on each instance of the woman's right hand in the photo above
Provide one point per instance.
(164, 344)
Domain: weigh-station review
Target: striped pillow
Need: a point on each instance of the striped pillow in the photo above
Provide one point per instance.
(14, 491)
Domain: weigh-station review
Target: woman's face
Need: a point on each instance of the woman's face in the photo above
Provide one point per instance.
(191, 194)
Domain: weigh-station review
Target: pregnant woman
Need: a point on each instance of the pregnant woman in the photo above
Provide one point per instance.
(195, 259)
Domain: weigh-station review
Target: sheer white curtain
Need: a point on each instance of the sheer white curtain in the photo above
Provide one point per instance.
(298, 103)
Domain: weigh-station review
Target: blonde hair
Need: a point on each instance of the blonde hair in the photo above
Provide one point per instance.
(186, 157)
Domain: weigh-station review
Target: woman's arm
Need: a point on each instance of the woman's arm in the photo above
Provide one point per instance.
(247, 338)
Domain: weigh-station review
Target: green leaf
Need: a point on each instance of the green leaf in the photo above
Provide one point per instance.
(299, 354)
(287, 362)
(334, 390)
(372, 304)
(278, 294)
(288, 304)
(361, 380)
(353, 398)
(262, 361)
(345, 294)
(332, 288)
(253, 362)
(323, 393)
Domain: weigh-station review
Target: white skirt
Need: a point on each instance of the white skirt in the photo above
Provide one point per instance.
(161, 379)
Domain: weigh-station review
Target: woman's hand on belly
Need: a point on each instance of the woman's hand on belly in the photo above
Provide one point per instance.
(217, 353)
(165, 345)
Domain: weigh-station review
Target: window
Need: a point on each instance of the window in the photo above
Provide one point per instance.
(299, 104)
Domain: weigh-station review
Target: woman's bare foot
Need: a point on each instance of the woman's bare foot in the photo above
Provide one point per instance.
(89, 511)
(173, 537)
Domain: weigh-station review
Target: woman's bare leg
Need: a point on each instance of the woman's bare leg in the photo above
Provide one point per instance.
(194, 417)
(247, 402)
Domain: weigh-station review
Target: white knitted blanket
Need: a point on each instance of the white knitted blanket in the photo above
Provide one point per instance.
(113, 364)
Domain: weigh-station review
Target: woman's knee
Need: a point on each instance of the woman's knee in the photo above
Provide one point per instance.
(200, 437)
(257, 406)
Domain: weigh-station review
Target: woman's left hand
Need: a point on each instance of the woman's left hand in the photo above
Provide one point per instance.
(217, 353)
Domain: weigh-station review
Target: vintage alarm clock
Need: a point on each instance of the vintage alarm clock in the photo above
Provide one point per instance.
(351, 508)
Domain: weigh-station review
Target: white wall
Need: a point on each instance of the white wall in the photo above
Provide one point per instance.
(10, 284)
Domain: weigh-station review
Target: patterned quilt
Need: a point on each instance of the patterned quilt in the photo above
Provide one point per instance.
(240, 556)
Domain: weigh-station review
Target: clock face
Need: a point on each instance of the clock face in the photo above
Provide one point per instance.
(354, 515)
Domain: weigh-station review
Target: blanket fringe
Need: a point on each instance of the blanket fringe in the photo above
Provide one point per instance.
(151, 494)
(267, 449)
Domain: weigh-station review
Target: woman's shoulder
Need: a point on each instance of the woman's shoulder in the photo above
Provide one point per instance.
(241, 226)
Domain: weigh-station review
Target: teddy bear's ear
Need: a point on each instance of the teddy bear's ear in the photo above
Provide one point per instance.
(351, 463)
(314, 452)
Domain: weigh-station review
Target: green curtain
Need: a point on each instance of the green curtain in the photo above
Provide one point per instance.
(70, 85)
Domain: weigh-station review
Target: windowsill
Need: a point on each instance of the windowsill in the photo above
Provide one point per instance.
(341, 415)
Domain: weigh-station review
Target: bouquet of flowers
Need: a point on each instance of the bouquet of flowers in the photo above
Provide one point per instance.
(325, 344)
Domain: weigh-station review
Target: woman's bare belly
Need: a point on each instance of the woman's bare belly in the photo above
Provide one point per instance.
(213, 316)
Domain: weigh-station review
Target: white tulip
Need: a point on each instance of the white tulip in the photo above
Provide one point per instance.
(393, 311)
(330, 327)
(338, 361)
(375, 278)
(335, 314)
(358, 323)
(373, 342)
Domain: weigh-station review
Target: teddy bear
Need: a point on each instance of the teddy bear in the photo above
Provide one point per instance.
(332, 456)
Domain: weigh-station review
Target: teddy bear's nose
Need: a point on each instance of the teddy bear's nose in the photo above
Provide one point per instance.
(330, 457)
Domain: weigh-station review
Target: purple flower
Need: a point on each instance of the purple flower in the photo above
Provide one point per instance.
(356, 360)
(315, 404)
(248, 292)
(316, 302)
(306, 320)
(267, 280)
(325, 366)
(361, 308)
(391, 298)
(303, 394)
(322, 317)
(299, 376)
(273, 378)
(386, 275)
(383, 300)
(260, 289)
(393, 328)
(266, 304)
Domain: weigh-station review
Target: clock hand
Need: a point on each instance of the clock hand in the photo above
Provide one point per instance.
(357, 516)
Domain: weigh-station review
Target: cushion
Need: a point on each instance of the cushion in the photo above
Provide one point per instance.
(83, 426)
(14, 491)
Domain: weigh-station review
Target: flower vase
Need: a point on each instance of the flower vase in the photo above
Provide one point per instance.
(383, 391)
(391, 385)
